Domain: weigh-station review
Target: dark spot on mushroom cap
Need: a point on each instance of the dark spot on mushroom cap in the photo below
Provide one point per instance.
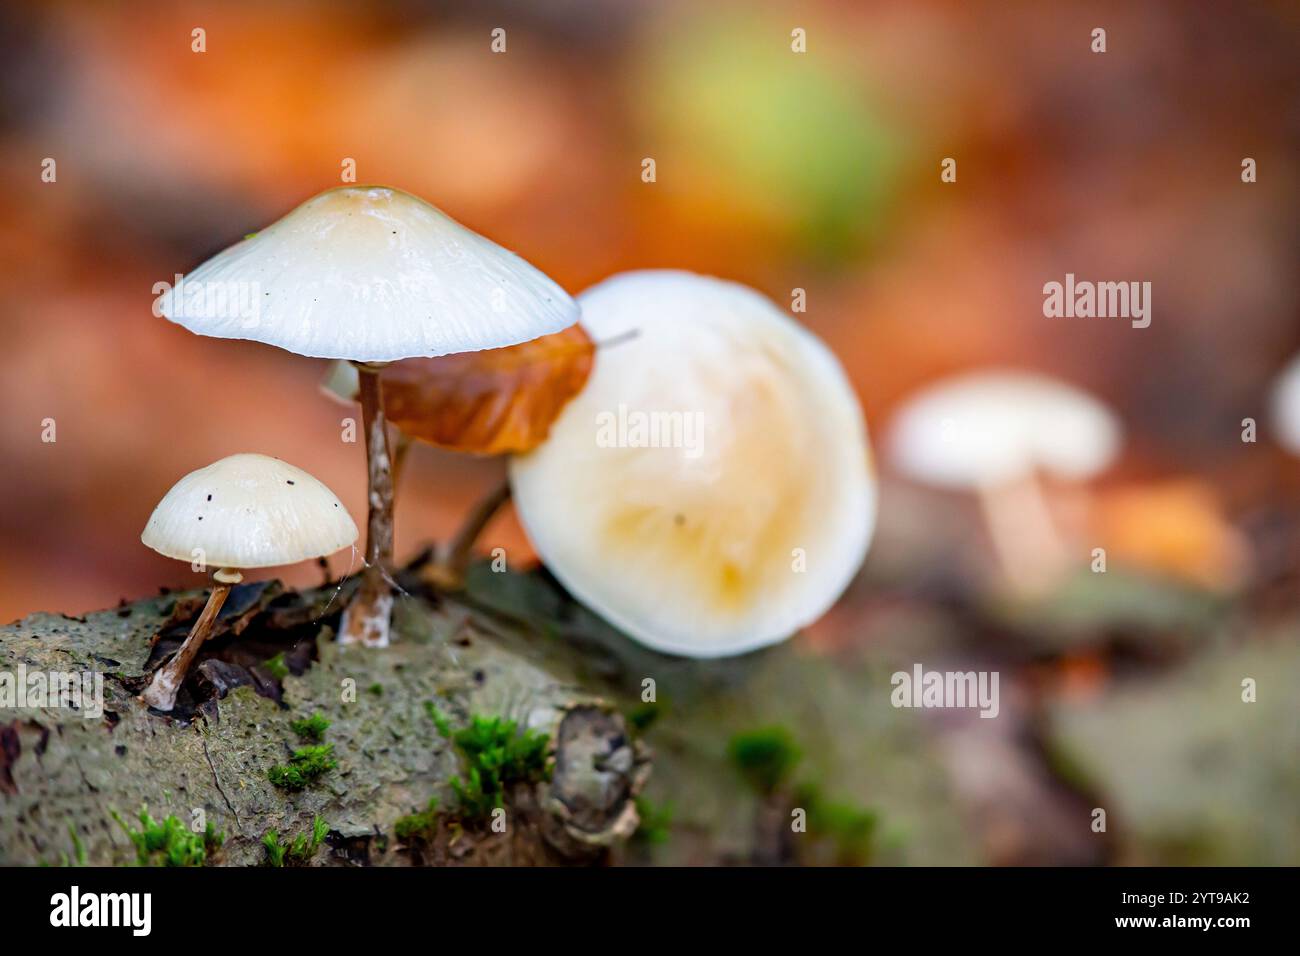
(200, 517)
(209, 497)
(679, 520)
(288, 481)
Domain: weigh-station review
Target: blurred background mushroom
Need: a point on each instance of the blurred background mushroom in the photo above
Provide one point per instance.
(818, 172)
(998, 435)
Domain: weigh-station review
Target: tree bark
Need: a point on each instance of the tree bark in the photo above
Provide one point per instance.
(511, 644)
(62, 768)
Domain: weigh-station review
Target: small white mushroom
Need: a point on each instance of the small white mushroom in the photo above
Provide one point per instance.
(370, 274)
(709, 491)
(245, 511)
(992, 433)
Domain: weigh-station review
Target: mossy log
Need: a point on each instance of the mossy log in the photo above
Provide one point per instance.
(274, 659)
(509, 644)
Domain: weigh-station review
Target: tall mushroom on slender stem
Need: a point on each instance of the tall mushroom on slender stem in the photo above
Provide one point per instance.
(709, 491)
(342, 383)
(993, 434)
(372, 275)
(245, 511)
(366, 619)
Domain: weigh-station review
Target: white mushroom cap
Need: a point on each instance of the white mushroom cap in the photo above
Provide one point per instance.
(249, 511)
(694, 549)
(989, 428)
(370, 274)
(1286, 407)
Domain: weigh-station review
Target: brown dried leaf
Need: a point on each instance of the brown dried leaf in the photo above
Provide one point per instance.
(491, 402)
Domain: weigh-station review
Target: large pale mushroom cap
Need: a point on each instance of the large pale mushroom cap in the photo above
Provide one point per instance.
(1286, 407)
(372, 274)
(755, 511)
(249, 511)
(989, 428)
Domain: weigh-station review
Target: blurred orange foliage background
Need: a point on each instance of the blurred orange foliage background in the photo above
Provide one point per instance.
(818, 172)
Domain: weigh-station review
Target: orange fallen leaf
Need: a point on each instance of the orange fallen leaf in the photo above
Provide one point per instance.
(492, 402)
(1176, 527)
(1081, 676)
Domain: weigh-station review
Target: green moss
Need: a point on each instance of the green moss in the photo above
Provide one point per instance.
(275, 850)
(276, 667)
(170, 843)
(495, 754)
(306, 764)
(78, 852)
(475, 798)
(418, 827)
(851, 828)
(1066, 767)
(297, 852)
(438, 717)
(311, 728)
(656, 821)
(643, 716)
(765, 757)
(376, 689)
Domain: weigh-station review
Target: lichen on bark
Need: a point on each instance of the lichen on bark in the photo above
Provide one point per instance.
(60, 768)
(510, 644)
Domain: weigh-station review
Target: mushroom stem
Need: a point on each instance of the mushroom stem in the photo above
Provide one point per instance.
(448, 571)
(1029, 548)
(366, 620)
(167, 680)
(400, 449)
